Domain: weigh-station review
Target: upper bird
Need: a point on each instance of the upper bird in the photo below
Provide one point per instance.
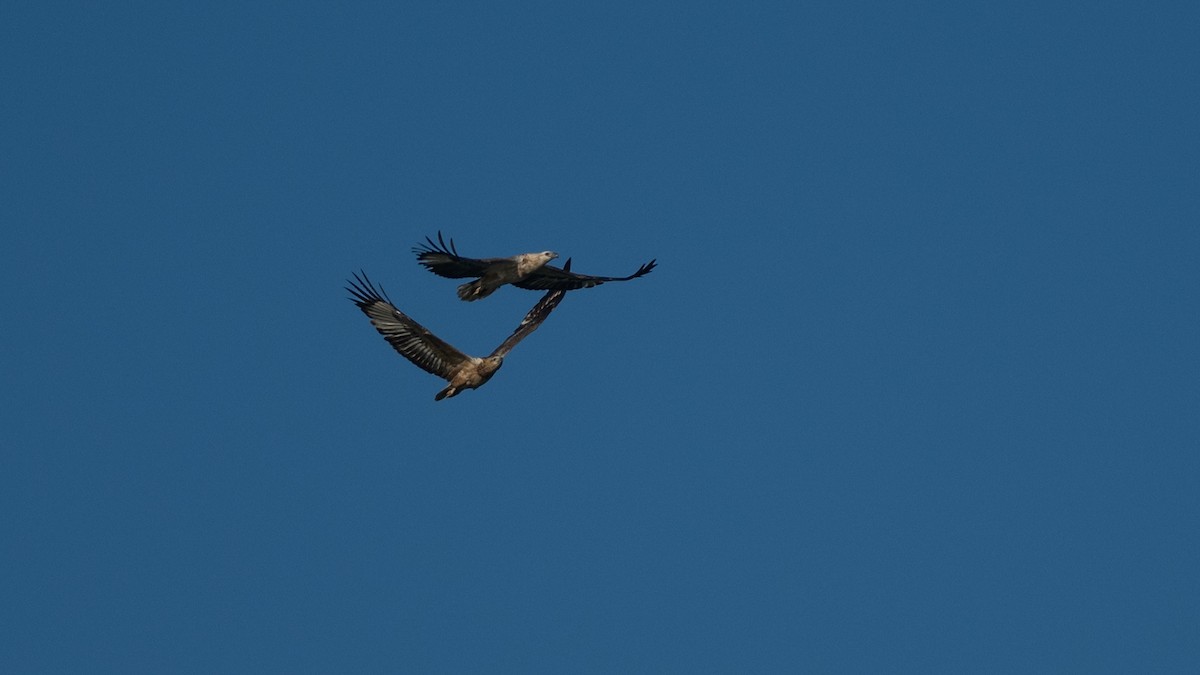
(432, 354)
(526, 270)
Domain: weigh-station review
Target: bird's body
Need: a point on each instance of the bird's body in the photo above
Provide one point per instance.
(432, 354)
(473, 374)
(500, 271)
(527, 270)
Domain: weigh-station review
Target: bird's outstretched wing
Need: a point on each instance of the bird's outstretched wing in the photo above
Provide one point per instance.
(445, 261)
(414, 342)
(533, 319)
(551, 278)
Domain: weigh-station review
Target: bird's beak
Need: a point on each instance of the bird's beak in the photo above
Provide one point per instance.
(553, 255)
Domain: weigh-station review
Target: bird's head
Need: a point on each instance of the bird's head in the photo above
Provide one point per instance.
(548, 255)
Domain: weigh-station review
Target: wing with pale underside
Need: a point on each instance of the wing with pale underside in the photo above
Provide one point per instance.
(412, 340)
(532, 320)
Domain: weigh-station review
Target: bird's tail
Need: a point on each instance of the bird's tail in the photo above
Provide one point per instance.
(474, 290)
(449, 392)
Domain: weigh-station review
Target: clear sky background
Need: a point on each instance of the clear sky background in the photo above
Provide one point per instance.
(915, 387)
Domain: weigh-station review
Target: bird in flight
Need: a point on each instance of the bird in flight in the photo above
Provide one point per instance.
(432, 354)
(526, 270)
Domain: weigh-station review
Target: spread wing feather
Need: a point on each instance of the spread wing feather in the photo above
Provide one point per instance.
(412, 340)
(445, 261)
(533, 319)
(551, 278)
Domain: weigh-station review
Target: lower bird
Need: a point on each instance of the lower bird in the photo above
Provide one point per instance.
(432, 354)
(530, 271)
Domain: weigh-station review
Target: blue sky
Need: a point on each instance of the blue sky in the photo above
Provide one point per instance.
(913, 389)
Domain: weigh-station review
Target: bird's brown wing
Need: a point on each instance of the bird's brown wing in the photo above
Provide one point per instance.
(444, 260)
(551, 278)
(533, 318)
(414, 342)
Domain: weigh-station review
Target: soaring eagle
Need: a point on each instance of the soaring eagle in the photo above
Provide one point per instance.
(526, 270)
(432, 354)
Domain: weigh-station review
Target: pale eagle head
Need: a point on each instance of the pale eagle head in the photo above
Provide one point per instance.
(489, 365)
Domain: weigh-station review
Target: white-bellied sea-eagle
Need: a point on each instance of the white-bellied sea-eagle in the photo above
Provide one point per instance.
(434, 355)
(526, 270)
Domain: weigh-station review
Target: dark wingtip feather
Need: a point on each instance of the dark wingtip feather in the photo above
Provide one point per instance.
(363, 292)
(443, 243)
(439, 246)
(647, 268)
